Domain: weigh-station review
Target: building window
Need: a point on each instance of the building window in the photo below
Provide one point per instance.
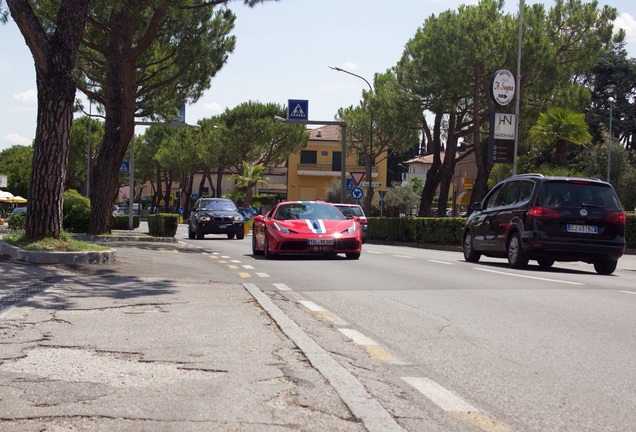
(308, 157)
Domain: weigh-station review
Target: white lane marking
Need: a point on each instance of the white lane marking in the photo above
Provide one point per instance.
(357, 337)
(440, 262)
(224, 256)
(439, 395)
(374, 252)
(628, 292)
(263, 275)
(248, 267)
(282, 287)
(311, 306)
(235, 261)
(404, 256)
(527, 277)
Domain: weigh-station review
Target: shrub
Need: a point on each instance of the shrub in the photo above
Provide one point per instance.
(76, 211)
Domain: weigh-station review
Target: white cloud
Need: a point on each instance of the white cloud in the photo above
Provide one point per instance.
(29, 97)
(213, 107)
(350, 65)
(15, 139)
(627, 23)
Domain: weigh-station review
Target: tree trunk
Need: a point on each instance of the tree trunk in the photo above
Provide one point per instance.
(54, 59)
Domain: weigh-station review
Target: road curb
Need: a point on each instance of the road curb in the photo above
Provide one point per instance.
(40, 257)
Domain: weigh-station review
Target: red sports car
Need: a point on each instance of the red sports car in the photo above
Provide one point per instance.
(306, 227)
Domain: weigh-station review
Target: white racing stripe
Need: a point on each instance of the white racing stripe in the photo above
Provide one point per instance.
(317, 226)
(527, 277)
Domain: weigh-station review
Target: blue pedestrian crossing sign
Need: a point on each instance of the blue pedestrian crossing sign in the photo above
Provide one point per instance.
(357, 193)
(297, 109)
(124, 168)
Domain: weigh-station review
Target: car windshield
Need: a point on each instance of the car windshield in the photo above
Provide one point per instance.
(351, 211)
(307, 211)
(218, 205)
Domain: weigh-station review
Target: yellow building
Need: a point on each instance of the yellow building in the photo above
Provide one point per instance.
(310, 171)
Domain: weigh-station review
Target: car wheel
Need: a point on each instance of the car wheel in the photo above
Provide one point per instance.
(254, 250)
(605, 267)
(545, 262)
(470, 254)
(266, 247)
(191, 233)
(199, 234)
(516, 255)
(353, 255)
(240, 236)
(230, 236)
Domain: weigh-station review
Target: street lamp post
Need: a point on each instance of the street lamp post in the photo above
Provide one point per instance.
(609, 145)
(369, 174)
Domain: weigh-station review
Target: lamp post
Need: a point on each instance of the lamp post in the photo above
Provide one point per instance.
(369, 174)
(609, 145)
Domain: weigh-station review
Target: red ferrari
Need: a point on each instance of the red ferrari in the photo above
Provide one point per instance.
(306, 227)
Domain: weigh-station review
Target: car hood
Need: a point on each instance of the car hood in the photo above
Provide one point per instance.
(315, 226)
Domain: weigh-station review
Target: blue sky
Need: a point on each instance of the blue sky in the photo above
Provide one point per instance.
(284, 50)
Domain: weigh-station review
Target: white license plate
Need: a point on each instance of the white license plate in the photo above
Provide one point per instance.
(587, 229)
(320, 242)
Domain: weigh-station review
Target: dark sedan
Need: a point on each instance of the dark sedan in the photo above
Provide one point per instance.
(215, 216)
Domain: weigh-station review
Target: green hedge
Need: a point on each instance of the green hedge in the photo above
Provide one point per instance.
(121, 222)
(442, 231)
(163, 224)
(445, 231)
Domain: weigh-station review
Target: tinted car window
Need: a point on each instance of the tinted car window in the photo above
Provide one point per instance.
(508, 194)
(218, 205)
(560, 194)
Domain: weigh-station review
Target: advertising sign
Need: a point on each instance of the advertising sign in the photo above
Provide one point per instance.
(503, 87)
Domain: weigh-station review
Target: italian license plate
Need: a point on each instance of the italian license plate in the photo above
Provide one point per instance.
(320, 242)
(586, 229)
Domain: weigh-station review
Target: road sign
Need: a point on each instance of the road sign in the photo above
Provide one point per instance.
(297, 109)
(357, 176)
(349, 184)
(124, 168)
(374, 184)
(357, 193)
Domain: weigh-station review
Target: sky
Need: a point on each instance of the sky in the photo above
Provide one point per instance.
(283, 51)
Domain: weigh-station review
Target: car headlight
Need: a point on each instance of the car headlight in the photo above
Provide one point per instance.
(204, 219)
(280, 228)
(352, 229)
(238, 218)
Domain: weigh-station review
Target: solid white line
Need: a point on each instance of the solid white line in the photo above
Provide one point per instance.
(357, 337)
(311, 306)
(528, 277)
(628, 292)
(282, 287)
(440, 262)
(439, 395)
(263, 275)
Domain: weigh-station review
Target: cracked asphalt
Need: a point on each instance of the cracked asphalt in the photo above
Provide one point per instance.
(129, 346)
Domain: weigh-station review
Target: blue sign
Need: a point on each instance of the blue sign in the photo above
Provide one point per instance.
(297, 109)
(357, 193)
(180, 118)
(124, 168)
(350, 184)
(180, 211)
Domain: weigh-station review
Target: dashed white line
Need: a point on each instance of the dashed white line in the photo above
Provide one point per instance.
(439, 395)
(311, 306)
(248, 267)
(628, 292)
(404, 256)
(440, 262)
(282, 287)
(528, 277)
(263, 275)
(357, 337)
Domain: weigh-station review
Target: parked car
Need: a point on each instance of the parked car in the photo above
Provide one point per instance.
(547, 219)
(350, 210)
(17, 211)
(306, 227)
(120, 210)
(215, 216)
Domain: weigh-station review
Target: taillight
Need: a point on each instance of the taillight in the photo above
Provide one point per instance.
(542, 213)
(617, 218)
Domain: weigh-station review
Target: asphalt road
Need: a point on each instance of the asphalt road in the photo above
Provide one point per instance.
(503, 349)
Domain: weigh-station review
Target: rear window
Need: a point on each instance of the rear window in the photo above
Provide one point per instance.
(578, 194)
(351, 211)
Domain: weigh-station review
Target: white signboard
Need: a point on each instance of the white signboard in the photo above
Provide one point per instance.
(503, 87)
(3, 181)
(504, 126)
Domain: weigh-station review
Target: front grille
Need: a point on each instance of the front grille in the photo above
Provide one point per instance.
(222, 218)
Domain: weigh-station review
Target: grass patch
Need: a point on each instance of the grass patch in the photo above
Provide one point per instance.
(65, 243)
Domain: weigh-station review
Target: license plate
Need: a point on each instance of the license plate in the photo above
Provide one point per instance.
(320, 242)
(586, 229)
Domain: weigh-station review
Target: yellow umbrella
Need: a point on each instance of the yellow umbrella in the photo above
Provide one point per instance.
(17, 199)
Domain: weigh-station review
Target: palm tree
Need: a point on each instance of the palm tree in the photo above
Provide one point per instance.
(560, 126)
(250, 177)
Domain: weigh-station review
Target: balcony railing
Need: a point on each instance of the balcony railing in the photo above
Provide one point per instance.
(330, 168)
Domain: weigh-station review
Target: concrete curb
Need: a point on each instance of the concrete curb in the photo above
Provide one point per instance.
(39, 257)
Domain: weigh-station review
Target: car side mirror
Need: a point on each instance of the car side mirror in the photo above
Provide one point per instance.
(477, 206)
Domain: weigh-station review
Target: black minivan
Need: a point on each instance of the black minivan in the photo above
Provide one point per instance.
(547, 219)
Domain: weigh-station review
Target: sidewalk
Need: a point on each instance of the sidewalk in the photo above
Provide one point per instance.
(126, 347)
